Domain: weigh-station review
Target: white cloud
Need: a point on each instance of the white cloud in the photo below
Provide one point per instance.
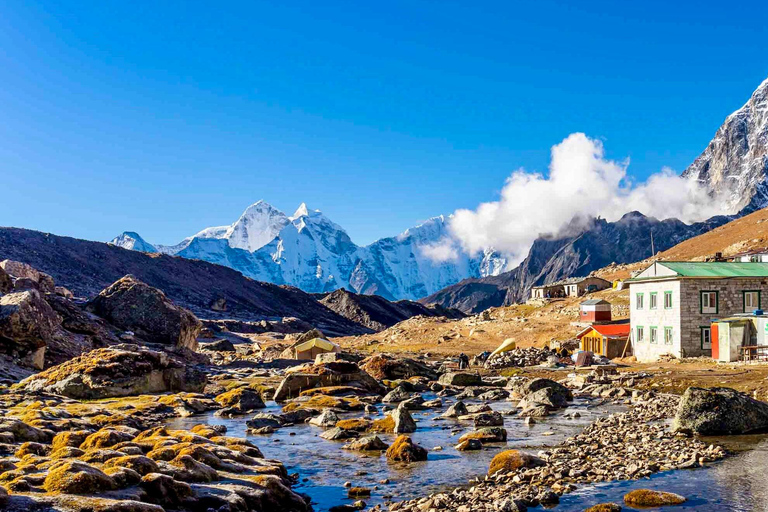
(582, 183)
(441, 251)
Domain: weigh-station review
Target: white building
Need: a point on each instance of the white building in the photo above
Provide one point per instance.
(673, 304)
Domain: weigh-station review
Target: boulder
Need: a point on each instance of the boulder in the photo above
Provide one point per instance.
(461, 379)
(21, 270)
(327, 419)
(404, 423)
(135, 306)
(487, 435)
(509, 460)
(455, 410)
(337, 433)
(367, 444)
(74, 477)
(489, 419)
(382, 367)
(219, 346)
(649, 498)
(338, 373)
(396, 395)
(469, 445)
(719, 411)
(27, 325)
(241, 400)
(6, 283)
(403, 449)
(122, 370)
(164, 490)
(604, 507)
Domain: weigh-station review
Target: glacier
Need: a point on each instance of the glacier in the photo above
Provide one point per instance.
(309, 251)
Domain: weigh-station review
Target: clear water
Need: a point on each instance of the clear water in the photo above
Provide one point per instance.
(736, 484)
(323, 467)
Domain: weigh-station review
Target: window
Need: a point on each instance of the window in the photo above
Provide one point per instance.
(709, 302)
(754, 258)
(667, 300)
(639, 301)
(667, 335)
(654, 335)
(706, 338)
(654, 300)
(640, 335)
(751, 300)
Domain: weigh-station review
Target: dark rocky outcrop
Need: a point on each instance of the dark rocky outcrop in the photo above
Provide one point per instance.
(135, 306)
(719, 411)
(378, 313)
(122, 370)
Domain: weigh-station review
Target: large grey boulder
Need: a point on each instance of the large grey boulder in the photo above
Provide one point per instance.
(461, 379)
(135, 306)
(719, 411)
(338, 373)
(404, 423)
(27, 325)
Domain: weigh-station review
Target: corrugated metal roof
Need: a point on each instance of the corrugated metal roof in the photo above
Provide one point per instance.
(594, 302)
(717, 268)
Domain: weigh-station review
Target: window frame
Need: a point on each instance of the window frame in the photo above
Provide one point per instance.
(701, 302)
(668, 331)
(651, 296)
(707, 328)
(640, 333)
(641, 296)
(653, 329)
(744, 300)
(671, 305)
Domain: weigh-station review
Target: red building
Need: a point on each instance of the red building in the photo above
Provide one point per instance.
(595, 311)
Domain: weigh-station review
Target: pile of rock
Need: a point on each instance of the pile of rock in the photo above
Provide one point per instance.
(622, 446)
(518, 357)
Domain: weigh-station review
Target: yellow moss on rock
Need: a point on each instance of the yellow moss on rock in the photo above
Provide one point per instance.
(357, 424)
(74, 477)
(509, 460)
(650, 498)
(384, 425)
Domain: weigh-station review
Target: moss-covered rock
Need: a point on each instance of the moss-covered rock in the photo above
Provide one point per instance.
(650, 498)
(139, 463)
(510, 460)
(241, 400)
(403, 449)
(605, 507)
(74, 477)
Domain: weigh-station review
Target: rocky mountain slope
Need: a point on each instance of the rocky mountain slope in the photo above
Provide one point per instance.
(734, 166)
(553, 258)
(210, 291)
(309, 251)
(378, 313)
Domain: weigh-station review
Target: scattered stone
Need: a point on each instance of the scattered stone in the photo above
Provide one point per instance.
(469, 445)
(327, 419)
(460, 379)
(404, 423)
(367, 444)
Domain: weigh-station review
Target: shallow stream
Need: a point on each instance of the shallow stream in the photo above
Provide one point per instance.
(323, 466)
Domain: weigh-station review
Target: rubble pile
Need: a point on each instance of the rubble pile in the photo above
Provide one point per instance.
(518, 357)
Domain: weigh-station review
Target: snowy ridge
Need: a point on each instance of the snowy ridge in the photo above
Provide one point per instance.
(311, 252)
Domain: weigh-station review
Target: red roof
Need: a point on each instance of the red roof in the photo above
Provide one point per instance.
(609, 330)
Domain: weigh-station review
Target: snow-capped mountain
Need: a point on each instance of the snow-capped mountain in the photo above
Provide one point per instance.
(131, 240)
(734, 166)
(311, 252)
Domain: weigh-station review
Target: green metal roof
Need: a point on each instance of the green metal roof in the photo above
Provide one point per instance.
(717, 268)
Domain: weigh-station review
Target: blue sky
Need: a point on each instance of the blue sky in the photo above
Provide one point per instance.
(167, 117)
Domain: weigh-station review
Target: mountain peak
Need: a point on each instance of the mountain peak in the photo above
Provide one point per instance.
(301, 211)
(132, 241)
(257, 226)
